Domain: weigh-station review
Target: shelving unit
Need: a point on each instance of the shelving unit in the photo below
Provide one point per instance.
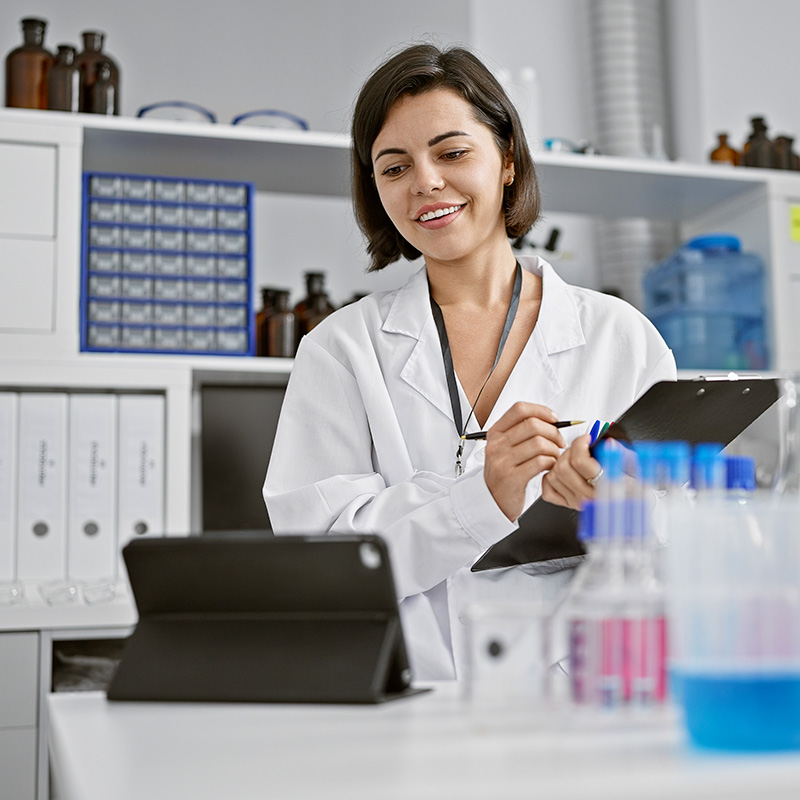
(40, 275)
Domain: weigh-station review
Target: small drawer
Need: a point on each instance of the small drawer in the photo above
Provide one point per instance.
(103, 336)
(170, 263)
(201, 241)
(137, 188)
(137, 288)
(167, 289)
(202, 266)
(232, 292)
(232, 243)
(137, 213)
(197, 192)
(232, 341)
(232, 194)
(105, 236)
(169, 240)
(232, 316)
(201, 316)
(200, 339)
(234, 219)
(168, 314)
(137, 313)
(232, 267)
(105, 186)
(169, 339)
(169, 191)
(169, 215)
(104, 286)
(139, 238)
(198, 217)
(104, 261)
(103, 311)
(100, 211)
(137, 262)
(137, 338)
(201, 291)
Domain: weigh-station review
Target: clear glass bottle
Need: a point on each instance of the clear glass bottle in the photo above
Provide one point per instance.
(63, 85)
(314, 307)
(262, 329)
(723, 153)
(281, 327)
(28, 67)
(87, 62)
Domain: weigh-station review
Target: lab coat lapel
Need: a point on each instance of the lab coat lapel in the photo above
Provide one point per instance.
(410, 315)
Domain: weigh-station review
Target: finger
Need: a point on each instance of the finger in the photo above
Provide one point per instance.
(514, 454)
(529, 428)
(551, 493)
(521, 411)
(573, 494)
(581, 460)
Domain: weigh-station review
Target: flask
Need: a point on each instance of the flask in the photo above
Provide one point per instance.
(87, 62)
(314, 307)
(724, 153)
(262, 329)
(28, 67)
(281, 327)
(104, 93)
(759, 150)
(63, 85)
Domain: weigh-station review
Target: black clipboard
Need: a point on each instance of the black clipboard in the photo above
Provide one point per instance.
(694, 411)
(294, 619)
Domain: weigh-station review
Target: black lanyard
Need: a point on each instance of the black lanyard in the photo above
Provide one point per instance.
(447, 357)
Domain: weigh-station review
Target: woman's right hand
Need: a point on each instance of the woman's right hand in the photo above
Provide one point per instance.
(520, 445)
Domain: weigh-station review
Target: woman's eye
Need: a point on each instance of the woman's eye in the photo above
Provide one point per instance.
(391, 172)
(452, 155)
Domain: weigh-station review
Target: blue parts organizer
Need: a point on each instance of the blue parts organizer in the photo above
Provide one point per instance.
(167, 265)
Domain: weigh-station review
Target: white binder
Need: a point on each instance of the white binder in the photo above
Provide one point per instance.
(9, 402)
(42, 486)
(141, 467)
(92, 504)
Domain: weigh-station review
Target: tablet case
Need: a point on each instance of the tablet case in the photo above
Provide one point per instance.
(273, 619)
(694, 411)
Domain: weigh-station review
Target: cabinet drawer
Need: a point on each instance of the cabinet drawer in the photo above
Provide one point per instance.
(27, 275)
(19, 666)
(28, 189)
(18, 764)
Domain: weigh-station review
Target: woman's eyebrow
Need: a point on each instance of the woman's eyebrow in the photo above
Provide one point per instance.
(397, 151)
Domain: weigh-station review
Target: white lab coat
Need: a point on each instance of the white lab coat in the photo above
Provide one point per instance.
(366, 442)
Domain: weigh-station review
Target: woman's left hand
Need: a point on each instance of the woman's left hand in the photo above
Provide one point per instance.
(566, 484)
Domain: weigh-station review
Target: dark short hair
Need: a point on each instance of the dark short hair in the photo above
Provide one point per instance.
(417, 69)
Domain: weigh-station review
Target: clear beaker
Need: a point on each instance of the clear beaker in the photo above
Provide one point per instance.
(786, 481)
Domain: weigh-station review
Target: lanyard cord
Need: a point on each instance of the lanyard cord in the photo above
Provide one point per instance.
(447, 357)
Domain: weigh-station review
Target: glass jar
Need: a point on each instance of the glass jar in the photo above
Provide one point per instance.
(104, 92)
(759, 150)
(28, 67)
(88, 62)
(314, 306)
(63, 85)
(262, 329)
(724, 153)
(281, 327)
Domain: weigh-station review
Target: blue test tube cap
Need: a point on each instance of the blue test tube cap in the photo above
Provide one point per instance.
(586, 529)
(647, 458)
(741, 473)
(610, 454)
(676, 460)
(708, 466)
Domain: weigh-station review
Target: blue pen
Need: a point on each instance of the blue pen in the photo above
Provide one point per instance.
(594, 432)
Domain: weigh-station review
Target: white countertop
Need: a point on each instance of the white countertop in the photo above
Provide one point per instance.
(431, 745)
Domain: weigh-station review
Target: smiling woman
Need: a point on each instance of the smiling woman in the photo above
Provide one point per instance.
(382, 392)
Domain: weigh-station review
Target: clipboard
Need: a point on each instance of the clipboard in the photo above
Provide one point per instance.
(292, 619)
(694, 411)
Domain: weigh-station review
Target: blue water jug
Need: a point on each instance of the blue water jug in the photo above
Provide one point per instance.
(707, 301)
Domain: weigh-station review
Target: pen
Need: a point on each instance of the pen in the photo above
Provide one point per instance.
(562, 423)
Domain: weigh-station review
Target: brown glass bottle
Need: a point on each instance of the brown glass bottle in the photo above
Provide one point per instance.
(315, 304)
(281, 327)
(262, 329)
(28, 67)
(63, 84)
(724, 153)
(785, 157)
(87, 62)
(759, 151)
(104, 92)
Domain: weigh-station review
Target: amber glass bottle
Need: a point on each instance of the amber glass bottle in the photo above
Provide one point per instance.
(785, 157)
(104, 91)
(63, 85)
(759, 150)
(281, 325)
(88, 61)
(314, 307)
(724, 153)
(28, 67)
(262, 329)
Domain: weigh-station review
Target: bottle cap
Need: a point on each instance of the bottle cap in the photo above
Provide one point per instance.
(586, 529)
(611, 456)
(715, 241)
(708, 466)
(741, 473)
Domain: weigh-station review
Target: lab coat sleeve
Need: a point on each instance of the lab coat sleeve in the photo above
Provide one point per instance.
(322, 479)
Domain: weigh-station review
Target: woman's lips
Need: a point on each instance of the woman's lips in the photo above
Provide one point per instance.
(438, 218)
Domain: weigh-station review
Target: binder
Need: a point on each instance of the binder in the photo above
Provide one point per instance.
(235, 618)
(141, 452)
(92, 514)
(697, 410)
(42, 487)
(9, 402)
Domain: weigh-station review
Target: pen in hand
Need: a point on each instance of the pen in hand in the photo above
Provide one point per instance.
(562, 423)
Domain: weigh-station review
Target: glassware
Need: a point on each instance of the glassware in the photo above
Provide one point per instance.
(724, 153)
(314, 307)
(262, 329)
(28, 67)
(759, 150)
(104, 92)
(87, 62)
(787, 474)
(281, 327)
(785, 157)
(63, 85)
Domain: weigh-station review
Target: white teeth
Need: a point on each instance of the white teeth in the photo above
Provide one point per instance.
(440, 212)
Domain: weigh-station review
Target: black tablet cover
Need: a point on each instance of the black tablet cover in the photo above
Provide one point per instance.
(263, 619)
(694, 411)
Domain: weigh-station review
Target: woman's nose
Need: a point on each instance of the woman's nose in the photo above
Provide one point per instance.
(427, 178)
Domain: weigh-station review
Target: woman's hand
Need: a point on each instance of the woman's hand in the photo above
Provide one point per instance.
(566, 484)
(520, 445)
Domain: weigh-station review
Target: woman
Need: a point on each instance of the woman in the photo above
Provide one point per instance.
(369, 438)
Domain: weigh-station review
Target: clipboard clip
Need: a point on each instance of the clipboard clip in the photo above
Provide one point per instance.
(730, 376)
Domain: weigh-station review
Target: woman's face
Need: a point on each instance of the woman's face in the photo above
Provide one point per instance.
(440, 177)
